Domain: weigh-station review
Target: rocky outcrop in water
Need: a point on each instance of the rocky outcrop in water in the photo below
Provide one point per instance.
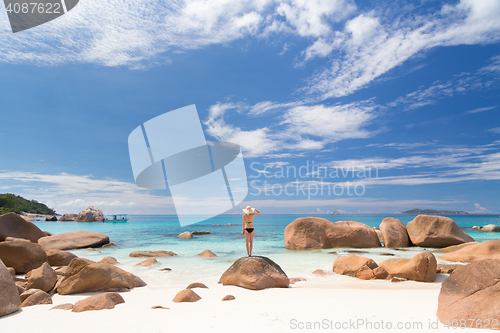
(90, 214)
(436, 231)
(318, 233)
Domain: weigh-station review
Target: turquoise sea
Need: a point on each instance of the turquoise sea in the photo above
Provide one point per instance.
(158, 232)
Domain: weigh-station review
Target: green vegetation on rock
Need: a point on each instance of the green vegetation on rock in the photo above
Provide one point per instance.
(11, 203)
(432, 211)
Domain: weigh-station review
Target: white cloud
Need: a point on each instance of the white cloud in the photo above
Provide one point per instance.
(321, 48)
(253, 142)
(379, 204)
(330, 123)
(481, 210)
(494, 130)
(481, 109)
(132, 33)
(69, 193)
(387, 46)
(312, 17)
(362, 28)
(138, 33)
(141, 33)
(494, 66)
(301, 127)
(433, 166)
(460, 84)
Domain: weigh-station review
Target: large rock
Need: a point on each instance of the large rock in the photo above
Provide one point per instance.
(51, 219)
(68, 217)
(185, 235)
(74, 240)
(147, 254)
(359, 267)
(196, 285)
(491, 227)
(39, 297)
(394, 233)
(207, 254)
(436, 231)
(98, 302)
(477, 251)
(64, 306)
(43, 278)
(453, 248)
(59, 257)
(109, 261)
(9, 294)
(255, 273)
(147, 263)
(200, 232)
(319, 233)
(22, 256)
(471, 294)
(27, 293)
(421, 267)
(90, 214)
(186, 295)
(85, 276)
(13, 225)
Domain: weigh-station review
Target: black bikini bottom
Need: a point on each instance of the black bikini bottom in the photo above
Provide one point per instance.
(249, 230)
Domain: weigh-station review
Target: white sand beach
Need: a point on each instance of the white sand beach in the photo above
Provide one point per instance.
(330, 303)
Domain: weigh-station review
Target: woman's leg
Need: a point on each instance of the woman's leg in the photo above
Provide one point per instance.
(251, 242)
(247, 241)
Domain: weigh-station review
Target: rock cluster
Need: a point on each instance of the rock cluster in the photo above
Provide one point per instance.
(68, 217)
(424, 231)
(359, 267)
(488, 227)
(421, 267)
(90, 214)
(318, 233)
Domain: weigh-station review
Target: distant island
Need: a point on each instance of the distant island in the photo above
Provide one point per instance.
(335, 212)
(11, 203)
(432, 211)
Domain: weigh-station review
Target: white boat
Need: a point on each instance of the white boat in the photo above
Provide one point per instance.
(116, 218)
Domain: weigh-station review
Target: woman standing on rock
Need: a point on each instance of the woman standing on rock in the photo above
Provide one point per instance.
(247, 227)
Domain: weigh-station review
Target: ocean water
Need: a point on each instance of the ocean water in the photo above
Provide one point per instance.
(158, 232)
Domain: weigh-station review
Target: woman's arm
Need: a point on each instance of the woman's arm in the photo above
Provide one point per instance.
(242, 225)
(257, 212)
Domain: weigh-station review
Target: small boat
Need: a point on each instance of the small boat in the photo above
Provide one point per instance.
(117, 218)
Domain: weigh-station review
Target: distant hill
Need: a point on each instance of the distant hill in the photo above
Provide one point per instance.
(11, 203)
(432, 211)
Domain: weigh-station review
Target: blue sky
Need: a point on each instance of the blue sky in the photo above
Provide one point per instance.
(410, 90)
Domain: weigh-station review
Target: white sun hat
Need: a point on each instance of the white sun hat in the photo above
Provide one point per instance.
(248, 210)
